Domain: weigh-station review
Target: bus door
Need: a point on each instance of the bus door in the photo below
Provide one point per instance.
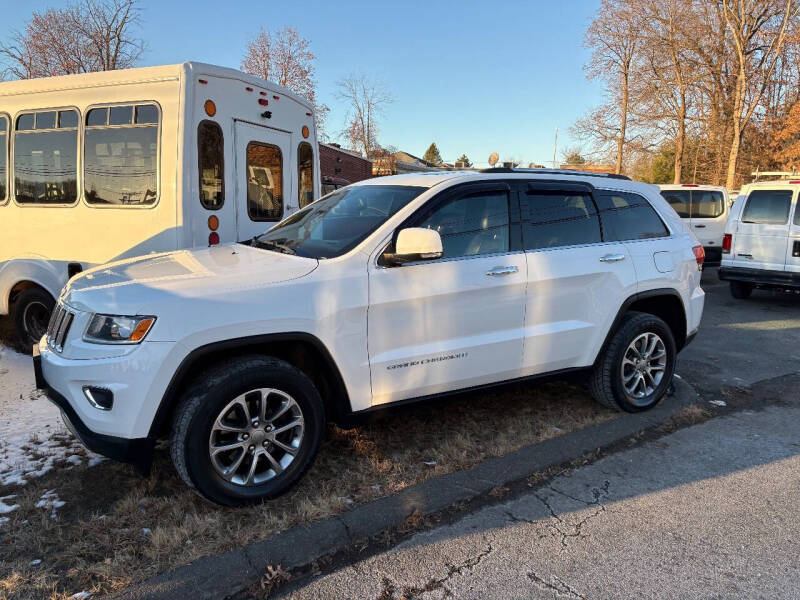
(263, 178)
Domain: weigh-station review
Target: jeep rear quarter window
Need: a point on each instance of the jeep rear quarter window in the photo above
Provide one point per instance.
(767, 207)
(628, 216)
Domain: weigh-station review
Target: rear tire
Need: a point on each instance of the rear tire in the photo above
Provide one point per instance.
(247, 430)
(32, 310)
(741, 290)
(635, 370)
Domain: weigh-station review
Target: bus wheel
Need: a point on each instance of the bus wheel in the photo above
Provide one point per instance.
(32, 310)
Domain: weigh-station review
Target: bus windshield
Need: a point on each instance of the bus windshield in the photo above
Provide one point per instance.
(338, 222)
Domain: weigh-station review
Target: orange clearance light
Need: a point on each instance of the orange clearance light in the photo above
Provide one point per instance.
(211, 108)
(305, 131)
(141, 329)
(213, 238)
(213, 222)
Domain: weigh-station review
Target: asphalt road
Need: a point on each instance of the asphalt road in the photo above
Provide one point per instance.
(709, 511)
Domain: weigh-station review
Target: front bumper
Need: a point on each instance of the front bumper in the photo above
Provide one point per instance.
(135, 450)
(760, 276)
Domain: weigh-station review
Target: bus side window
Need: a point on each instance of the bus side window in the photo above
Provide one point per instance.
(305, 174)
(46, 157)
(121, 155)
(3, 159)
(211, 165)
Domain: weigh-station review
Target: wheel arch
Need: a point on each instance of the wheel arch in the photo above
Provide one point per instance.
(18, 275)
(302, 350)
(665, 303)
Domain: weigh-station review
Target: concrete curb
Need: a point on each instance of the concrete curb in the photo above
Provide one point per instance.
(219, 576)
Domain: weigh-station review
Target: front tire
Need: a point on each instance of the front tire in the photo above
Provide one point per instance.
(635, 370)
(247, 431)
(32, 310)
(741, 290)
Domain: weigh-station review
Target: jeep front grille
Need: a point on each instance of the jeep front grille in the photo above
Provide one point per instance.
(58, 328)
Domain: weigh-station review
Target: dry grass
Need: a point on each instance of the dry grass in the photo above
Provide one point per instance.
(688, 415)
(97, 542)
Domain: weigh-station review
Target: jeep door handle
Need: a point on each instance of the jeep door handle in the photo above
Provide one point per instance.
(501, 271)
(612, 258)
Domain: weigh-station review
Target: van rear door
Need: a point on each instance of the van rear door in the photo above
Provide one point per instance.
(793, 249)
(264, 185)
(761, 237)
(709, 213)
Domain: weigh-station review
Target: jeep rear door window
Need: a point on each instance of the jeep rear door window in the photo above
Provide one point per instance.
(305, 174)
(627, 216)
(3, 159)
(471, 225)
(767, 207)
(211, 164)
(264, 182)
(339, 222)
(121, 155)
(46, 157)
(553, 219)
(680, 201)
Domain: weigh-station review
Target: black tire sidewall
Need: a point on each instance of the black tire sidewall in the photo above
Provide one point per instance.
(198, 462)
(741, 290)
(627, 334)
(26, 298)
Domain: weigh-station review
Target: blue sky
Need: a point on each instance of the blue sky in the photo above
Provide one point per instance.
(474, 77)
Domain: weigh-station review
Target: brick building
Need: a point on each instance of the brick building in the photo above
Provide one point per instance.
(340, 167)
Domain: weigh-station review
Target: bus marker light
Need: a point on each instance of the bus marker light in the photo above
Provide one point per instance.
(211, 108)
(305, 131)
(213, 238)
(213, 222)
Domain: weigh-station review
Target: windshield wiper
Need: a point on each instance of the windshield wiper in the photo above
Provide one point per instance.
(272, 245)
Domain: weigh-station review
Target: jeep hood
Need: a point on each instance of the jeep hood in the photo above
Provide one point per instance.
(130, 286)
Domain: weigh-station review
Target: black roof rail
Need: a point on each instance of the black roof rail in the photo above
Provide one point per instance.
(554, 172)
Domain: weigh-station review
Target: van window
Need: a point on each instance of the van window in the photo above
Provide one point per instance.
(264, 182)
(3, 159)
(680, 201)
(211, 161)
(558, 219)
(767, 207)
(305, 174)
(707, 204)
(627, 216)
(121, 156)
(46, 157)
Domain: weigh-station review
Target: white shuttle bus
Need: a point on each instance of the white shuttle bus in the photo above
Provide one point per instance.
(102, 166)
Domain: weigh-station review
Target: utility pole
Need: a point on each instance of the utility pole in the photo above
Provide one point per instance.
(555, 148)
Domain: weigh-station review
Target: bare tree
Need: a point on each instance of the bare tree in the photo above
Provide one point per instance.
(613, 38)
(758, 29)
(286, 58)
(366, 99)
(92, 35)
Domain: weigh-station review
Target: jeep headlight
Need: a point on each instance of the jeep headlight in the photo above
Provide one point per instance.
(115, 329)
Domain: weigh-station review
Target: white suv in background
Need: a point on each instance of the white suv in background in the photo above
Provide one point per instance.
(761, 247)
(390, 290)
(704, 209)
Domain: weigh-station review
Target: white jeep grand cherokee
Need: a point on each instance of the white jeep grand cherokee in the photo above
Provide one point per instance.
(391, 290)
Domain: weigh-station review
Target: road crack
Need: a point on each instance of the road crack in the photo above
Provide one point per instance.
(439, 584)
(567, 531)
(559, 587)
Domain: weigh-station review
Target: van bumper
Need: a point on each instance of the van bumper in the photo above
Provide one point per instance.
(137, 451)
(760, 276)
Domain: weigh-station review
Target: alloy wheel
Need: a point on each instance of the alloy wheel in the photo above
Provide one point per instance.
(643, 366)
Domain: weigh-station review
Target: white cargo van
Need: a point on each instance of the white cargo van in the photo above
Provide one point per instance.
(761, 246)
(103, 166)
(705, 210)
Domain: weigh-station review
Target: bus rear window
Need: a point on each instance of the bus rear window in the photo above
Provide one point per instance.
(46, 157)
(3, 159)
(211, 163)
(305, 174)
(121, 156)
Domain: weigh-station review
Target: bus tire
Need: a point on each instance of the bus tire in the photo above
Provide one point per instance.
(31, 314)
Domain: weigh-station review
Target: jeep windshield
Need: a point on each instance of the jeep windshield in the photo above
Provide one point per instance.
(338, 222)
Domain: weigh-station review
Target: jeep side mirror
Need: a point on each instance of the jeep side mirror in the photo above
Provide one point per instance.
(415, 244)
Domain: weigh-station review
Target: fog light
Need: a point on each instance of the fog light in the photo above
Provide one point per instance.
(100, 398)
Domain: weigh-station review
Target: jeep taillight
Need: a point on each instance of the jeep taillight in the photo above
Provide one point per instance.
(700, 256)
(727, 241)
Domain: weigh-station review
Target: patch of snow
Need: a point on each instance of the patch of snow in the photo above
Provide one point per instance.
(4, 520)
(146, 531)
(5, 507)
(51, 502)
(32, 436)
(718, 402)
(80, 596)
(36, 561)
